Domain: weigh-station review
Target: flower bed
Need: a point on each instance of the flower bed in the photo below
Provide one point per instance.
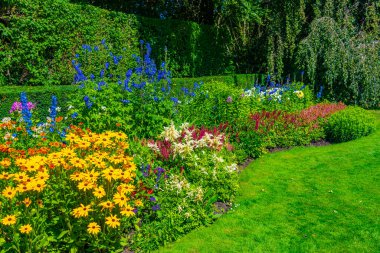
(76, 182)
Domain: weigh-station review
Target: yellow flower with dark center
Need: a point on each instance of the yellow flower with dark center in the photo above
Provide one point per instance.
(130, 166)
(120, 199)
(20, 177)
(107, 205)
(26, 229)
(68, 152)
(32, 166)
(108, 173)
(91, 176)
(120, 136)
(27, 202)
(6, 162)
(38, 185)
(9, 192)
(71, 137)
(86, 185)
(127, 211)
(6, 176)
(125, 175)
(78, 163)
(113, 221)
(91, 137)
(81, 211)
(83, 144)
(42, 176)
(99, 163)
(116, 174)
(126, 188)
(93, 228)
(23, 187)
(99, 192)
(76, 176)
(138, 202)
(9, 220)
(40, 203)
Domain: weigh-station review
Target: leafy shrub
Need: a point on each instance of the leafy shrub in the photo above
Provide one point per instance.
(349, 124)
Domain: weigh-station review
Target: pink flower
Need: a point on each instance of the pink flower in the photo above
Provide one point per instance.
(17, 106)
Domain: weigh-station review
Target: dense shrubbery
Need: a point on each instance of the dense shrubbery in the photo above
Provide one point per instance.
(349, 124)
(41, 54)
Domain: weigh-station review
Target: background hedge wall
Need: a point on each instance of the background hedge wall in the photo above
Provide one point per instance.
(39, 39)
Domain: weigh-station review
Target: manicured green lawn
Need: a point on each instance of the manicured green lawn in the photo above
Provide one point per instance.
(308, 199)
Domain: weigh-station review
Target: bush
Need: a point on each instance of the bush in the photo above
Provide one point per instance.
(349, 124)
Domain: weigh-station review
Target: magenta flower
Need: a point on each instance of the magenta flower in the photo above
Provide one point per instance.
(17, 106)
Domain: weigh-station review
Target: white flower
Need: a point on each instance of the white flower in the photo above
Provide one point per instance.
(103, 108)
(231, 168)
(170, 133)
(153, 146)
(6, 120)
(58, 109)
(7, 136)
(184, 125)
(70, 107)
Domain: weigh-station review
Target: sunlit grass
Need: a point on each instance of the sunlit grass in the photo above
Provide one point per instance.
(307, 199)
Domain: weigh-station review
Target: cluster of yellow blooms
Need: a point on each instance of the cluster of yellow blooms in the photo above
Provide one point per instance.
(95, 164)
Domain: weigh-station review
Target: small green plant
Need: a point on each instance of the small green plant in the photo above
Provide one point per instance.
(349, 124)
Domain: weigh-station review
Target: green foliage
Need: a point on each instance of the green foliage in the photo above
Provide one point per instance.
(349, 124)
(190, 49)
(346, 61)
(39, 39)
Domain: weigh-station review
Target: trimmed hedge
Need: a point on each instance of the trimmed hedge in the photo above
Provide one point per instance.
(349, 124)
(43, 94)
(39, 39)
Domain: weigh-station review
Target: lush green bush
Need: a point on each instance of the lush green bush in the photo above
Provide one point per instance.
(40, 38)
(349, 124)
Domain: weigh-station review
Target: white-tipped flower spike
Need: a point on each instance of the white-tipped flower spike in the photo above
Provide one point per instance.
(170, 133)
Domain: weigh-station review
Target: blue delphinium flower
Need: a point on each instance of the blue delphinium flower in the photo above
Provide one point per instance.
(125, 101)
(96, 48)
(26, 113)
(153, 199)
(175, 100)
(156, 99)
(101, 73)
(107, 65)
(79, 76)
(88, 102)
(74, 115)
(92, 77)
(53, 112)
(319, 94)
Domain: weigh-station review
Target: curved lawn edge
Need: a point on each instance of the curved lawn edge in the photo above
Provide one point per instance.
(307, 199)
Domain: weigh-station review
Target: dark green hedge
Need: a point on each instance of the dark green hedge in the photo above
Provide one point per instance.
(192, 49)
(40, 95)
(39, 38)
